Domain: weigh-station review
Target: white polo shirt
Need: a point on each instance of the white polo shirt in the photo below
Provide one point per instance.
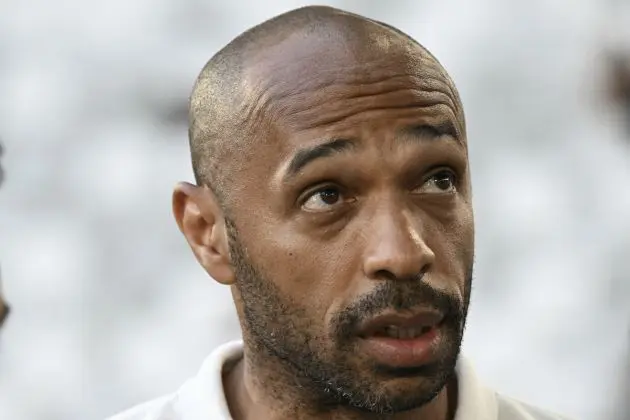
(203, 398)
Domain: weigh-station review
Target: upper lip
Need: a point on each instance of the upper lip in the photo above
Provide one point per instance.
(413, 319)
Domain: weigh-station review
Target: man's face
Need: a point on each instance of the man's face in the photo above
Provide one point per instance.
(356, 206)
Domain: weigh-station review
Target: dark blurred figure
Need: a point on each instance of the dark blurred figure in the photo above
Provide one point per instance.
(619, 84)
(619, 92)
(4, 307)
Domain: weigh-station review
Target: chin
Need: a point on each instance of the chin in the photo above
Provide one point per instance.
(386, 393)
(399, 400)
(416, 391)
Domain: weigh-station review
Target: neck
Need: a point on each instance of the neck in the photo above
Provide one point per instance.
(279, 397)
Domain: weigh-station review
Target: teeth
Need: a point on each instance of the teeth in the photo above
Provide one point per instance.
(404, 333)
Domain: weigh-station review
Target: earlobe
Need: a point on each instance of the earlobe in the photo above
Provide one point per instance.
(200, 218)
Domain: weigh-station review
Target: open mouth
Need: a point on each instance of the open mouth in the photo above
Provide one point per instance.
(402, 326)
(403, 340)
(402, 333)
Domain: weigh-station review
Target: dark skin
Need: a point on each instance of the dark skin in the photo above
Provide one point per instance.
(313, 243)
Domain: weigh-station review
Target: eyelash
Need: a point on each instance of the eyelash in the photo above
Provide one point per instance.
(441, 170)
(305, 196)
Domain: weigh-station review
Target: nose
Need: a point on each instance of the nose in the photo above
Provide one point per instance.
(397, 248)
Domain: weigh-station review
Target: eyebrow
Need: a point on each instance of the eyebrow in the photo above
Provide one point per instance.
(445, 128)
(306, 156)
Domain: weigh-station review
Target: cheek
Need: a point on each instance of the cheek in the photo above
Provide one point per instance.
(454, 247)
(465, 239)
(301, 268)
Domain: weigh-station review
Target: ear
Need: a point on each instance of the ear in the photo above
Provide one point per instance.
(200, 219)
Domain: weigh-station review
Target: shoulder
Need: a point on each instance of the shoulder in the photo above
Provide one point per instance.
(512, 409)
(200, 397)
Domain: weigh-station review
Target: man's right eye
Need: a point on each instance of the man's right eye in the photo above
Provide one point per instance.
(322, 200)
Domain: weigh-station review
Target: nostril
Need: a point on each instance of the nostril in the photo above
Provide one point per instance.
(385, 275)
(388, 275)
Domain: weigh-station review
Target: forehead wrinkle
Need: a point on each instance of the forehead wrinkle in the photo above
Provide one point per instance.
(420, 108)
(280, 95)
(429, 67)
(410, 101)
(253, 109)
(303, 108)
(384, 84)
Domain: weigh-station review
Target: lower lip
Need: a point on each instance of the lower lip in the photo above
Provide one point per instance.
(396, 352)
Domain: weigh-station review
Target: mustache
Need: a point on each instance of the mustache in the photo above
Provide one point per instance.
(399, 296)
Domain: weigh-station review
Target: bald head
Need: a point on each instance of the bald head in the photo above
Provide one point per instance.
(260, 77)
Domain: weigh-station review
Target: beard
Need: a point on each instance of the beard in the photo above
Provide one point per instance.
(321, 361)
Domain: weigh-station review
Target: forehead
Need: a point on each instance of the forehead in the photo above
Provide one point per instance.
(307, 86)
(301, 94)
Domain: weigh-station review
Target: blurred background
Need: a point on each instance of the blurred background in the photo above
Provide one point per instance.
(109, 307)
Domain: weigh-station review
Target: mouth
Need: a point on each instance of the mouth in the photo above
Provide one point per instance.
(401, 333)
(402, 326)
(403, 340)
